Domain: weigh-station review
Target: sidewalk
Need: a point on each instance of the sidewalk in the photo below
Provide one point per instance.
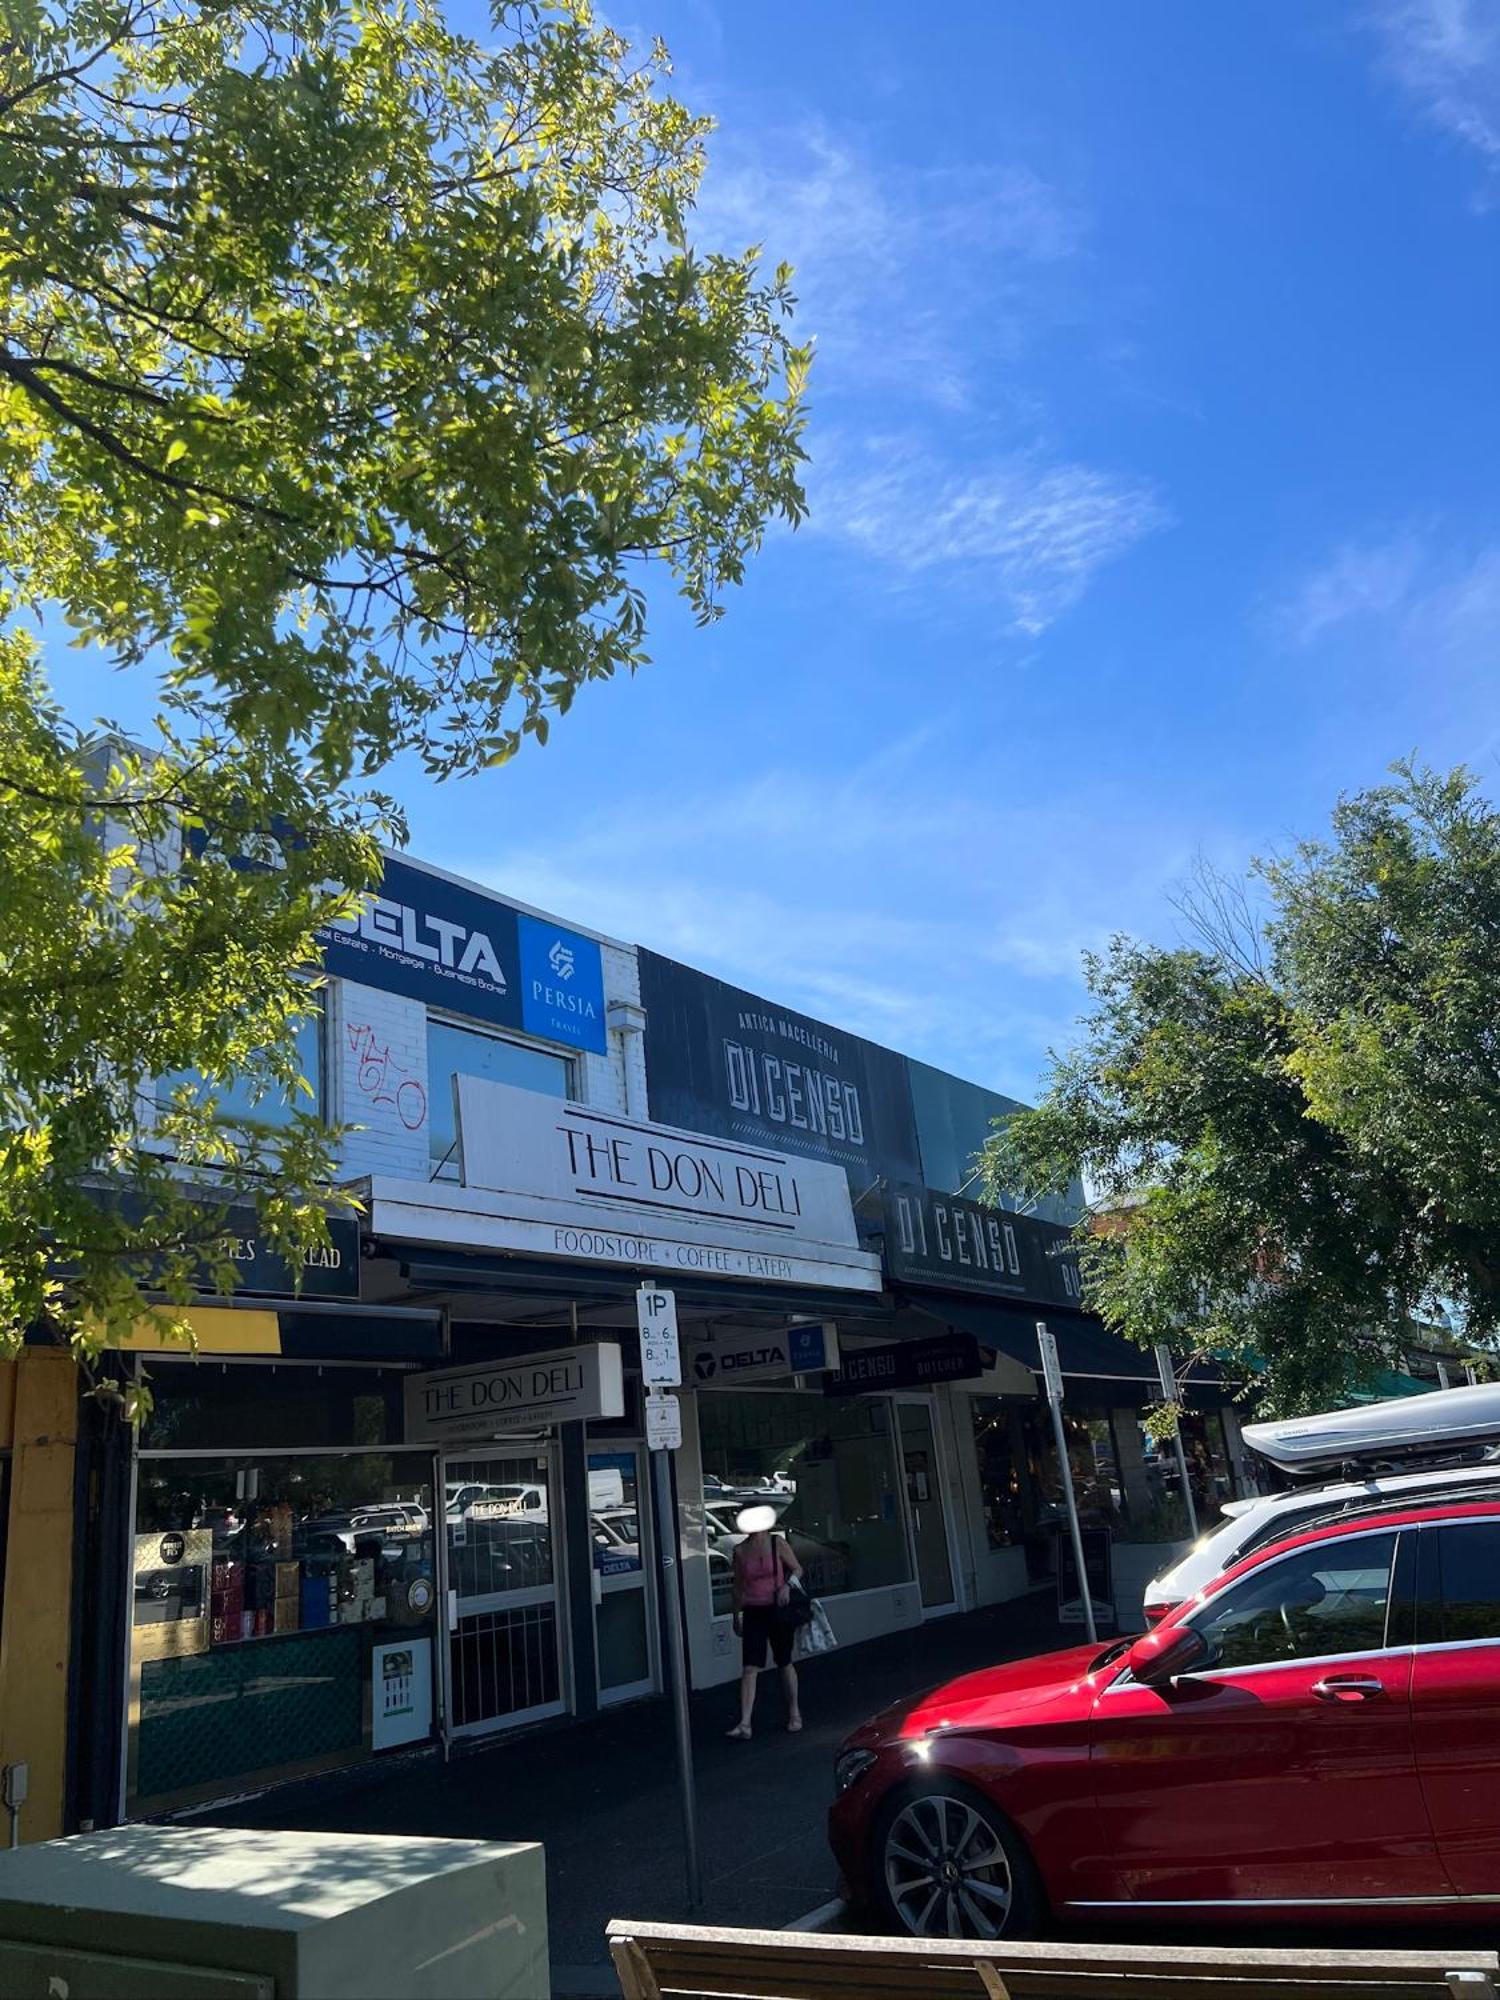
(602, 1795)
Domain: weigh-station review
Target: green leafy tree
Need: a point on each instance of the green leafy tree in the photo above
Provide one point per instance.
(354, 379)
(1287, 1126)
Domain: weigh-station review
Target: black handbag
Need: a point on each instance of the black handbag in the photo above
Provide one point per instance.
(797, 1611)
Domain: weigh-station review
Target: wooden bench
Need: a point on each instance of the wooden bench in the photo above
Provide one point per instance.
(688, 1962)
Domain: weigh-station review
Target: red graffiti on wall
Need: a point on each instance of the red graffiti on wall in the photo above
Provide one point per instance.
(383, 1080)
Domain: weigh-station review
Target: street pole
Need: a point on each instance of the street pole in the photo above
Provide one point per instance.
(1168, 1373)
(1052, 1376)
(668, 1542)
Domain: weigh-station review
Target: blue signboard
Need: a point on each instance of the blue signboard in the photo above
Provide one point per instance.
(562, 985)
(450, 946)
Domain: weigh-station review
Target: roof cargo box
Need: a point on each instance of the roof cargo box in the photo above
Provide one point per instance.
(1448, 1424)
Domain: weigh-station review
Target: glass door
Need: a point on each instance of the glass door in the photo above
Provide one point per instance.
(504, 1644)
(619, 1525)
(925, 1508)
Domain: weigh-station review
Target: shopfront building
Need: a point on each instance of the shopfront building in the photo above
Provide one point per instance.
(322, 1566)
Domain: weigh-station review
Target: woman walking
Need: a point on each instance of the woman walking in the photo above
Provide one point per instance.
(764, 1565)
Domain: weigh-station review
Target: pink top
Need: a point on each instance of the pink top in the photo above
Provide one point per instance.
(760, 1572)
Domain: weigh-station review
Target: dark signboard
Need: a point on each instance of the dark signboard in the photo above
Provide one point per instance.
(907, 1364)
(327, 1273)
(331, 1273)
(961, 1246)
(955, 1121)
(723, 1061)
(454, 947)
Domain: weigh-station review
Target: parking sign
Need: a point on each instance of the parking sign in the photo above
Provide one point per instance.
(656, 1317)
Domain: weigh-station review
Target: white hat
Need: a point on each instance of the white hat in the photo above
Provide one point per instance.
(755, 1520)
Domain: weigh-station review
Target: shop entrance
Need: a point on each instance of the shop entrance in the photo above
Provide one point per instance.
(504, 1652)
(619, 1526)
(925, 1507)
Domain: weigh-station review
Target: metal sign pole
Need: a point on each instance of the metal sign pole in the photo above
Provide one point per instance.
(1168, 1374)
(1052, 1375)
(668, 1543)
(661, 1372)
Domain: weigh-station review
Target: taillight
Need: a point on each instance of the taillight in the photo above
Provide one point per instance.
(1156, 1612)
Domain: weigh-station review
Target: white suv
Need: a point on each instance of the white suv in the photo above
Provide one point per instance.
(1249, 1524)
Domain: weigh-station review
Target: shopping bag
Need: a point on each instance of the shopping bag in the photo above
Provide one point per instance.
(817, 1635)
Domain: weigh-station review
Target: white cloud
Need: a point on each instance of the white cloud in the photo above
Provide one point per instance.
(901, 901)
(1418, 594)
(1445, 54)
(1029, 530)
(897, 268)
(1358, 581)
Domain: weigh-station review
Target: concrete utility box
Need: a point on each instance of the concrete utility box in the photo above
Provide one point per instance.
(220, 1914)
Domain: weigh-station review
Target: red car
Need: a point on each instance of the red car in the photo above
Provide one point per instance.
(1315, 1735)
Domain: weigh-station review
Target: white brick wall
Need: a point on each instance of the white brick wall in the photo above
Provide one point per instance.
(615, 1081)
(377, 1079)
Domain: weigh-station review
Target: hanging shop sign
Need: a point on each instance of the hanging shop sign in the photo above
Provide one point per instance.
(528, 1392)
(800, 1350)
(947, 1242)
(724, 1061)
(450, 945)
(907, 1364)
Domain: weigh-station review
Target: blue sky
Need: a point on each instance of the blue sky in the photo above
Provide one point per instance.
(1154, 433)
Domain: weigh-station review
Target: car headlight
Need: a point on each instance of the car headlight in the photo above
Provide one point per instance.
(851, 1766)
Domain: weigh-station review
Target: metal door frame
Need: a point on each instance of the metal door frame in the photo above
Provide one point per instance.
(927, 1402)
(642, 1580)
(555, 1593)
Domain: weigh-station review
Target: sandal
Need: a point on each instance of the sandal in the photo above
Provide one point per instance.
(739, 1734)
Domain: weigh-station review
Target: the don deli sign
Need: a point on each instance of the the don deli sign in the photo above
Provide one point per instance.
(527, 1392)
(583, 1183)
(520, 1142)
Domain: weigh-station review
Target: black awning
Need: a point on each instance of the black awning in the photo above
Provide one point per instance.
(1086, 1349)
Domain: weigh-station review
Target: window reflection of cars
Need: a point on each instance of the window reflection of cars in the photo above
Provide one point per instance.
(393, 1527)
(617, 1538)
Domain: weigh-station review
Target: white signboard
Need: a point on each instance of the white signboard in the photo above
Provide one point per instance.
(801, 1350)
(1051, 1371)
(1166, 1373)
(523, 1142)
(527, 1392)
(656, 1318)
(663, 1423)
(401, 1692)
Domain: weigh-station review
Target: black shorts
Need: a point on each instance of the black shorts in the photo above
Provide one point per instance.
(763, 1625)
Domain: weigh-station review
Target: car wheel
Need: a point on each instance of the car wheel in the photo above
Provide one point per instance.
(946, 1863)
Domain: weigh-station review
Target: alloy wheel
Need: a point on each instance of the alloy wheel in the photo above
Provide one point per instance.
(946, 1870)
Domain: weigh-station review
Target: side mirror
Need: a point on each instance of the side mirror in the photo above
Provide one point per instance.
(1165, 1653)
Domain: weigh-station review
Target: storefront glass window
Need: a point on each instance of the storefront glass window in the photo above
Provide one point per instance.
(1020, 1480)
(237, 1101)
(829, 1465)
(1209, 1473)
(282, 1620)
(455, 1051)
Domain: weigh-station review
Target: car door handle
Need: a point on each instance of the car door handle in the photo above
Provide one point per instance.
(1349, 1687)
